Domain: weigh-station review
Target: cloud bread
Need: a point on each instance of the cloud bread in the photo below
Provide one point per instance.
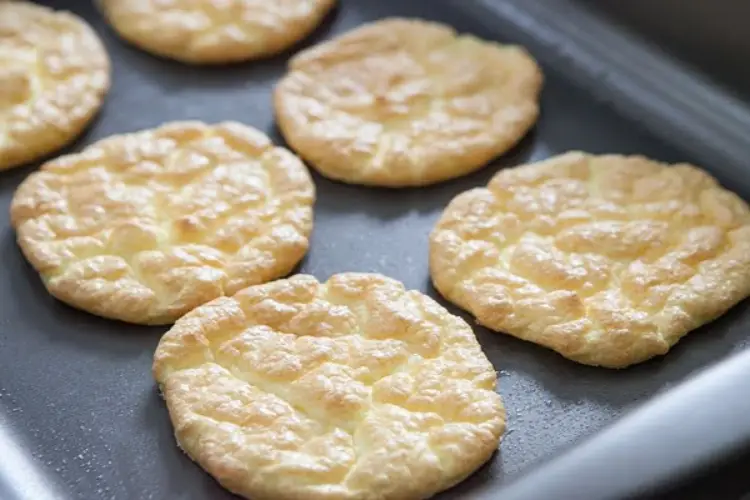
(201, 32)
(403, 102)
(608, 260)
(54, 73)
(143, 227)
(351, 389)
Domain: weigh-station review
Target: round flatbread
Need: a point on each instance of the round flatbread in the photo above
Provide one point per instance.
(201, 32)
(54, 73)
(406, 102)
(144, 227)
(351, 389)
(608, 260)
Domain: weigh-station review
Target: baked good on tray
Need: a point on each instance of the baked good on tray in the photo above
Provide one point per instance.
(402, 102)
(212, 32)
(143, 227)
(609, 260)
(54, 74)
(350, 389)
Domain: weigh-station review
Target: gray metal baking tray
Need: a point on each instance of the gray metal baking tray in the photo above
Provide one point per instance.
(80, 417)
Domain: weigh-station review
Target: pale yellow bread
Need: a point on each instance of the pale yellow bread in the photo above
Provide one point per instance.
(143, 227)
(608, 260)
(352, 389)
(54, 74)
(214, 32)
(404, 102)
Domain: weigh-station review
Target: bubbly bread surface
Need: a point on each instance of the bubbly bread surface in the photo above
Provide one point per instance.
(350, 389)
(54, 74)
(214, 32)
(143, 227)
(403, 102)
(609, 260)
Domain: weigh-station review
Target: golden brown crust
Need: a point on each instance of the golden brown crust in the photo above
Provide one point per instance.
(404, 102)
(609, 260)
(200, 32)
(351, 389)
(54, 73)
(144, 227)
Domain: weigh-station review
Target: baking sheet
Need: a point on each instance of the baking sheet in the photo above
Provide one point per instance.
(78, 406)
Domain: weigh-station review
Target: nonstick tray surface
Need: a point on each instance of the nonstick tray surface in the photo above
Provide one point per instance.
(80, 416)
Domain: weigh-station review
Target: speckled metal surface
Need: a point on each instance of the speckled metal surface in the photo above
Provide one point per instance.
(80, 416)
